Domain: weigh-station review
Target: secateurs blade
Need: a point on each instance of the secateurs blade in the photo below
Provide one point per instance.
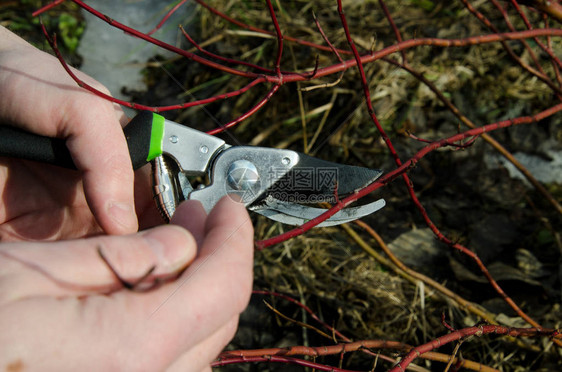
(283, 185)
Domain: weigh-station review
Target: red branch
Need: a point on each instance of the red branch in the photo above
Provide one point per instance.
(467, 332)
(317, 351)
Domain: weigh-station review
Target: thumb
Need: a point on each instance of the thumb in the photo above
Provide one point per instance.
(75, 268)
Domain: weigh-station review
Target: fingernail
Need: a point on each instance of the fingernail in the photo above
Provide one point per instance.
(169, 246)
(124, 215)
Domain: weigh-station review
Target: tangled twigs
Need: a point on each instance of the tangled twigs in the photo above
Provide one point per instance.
(409, 184)
(288, 354)
(539, 74)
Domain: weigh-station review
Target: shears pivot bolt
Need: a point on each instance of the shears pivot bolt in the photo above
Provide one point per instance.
(242, 175)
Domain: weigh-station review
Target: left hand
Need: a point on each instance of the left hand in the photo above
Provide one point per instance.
(37, 95)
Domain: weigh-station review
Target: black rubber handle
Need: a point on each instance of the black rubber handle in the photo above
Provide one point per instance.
(16, 143)
(138, 134)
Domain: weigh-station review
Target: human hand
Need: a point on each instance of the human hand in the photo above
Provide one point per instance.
(43, 202)
(61, 308)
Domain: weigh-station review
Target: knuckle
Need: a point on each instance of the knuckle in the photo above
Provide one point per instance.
(129, 260)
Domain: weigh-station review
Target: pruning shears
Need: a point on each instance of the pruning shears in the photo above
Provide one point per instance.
(277, 183)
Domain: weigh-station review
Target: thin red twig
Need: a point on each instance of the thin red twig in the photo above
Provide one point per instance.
(248, 113)
(47, 7)
(397, 33)
(279, 35)
(549, 46)
(456, 145)
(166, 17)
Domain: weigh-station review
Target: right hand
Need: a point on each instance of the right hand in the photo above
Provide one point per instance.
(61, 308)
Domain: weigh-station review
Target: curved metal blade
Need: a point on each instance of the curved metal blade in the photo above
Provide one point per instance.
(350, 178)
(314, 180)
(296, 214)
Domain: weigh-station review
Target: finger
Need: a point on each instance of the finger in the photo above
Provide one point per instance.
(99, 149)
(213, 289)
(199, 357)
(145, 206)
(74, 268)
(192, 216)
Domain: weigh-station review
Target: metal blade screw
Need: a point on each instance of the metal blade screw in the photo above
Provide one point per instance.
(243, 175)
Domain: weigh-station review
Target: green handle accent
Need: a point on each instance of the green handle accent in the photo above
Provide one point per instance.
(156, 137)
(144, 133)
